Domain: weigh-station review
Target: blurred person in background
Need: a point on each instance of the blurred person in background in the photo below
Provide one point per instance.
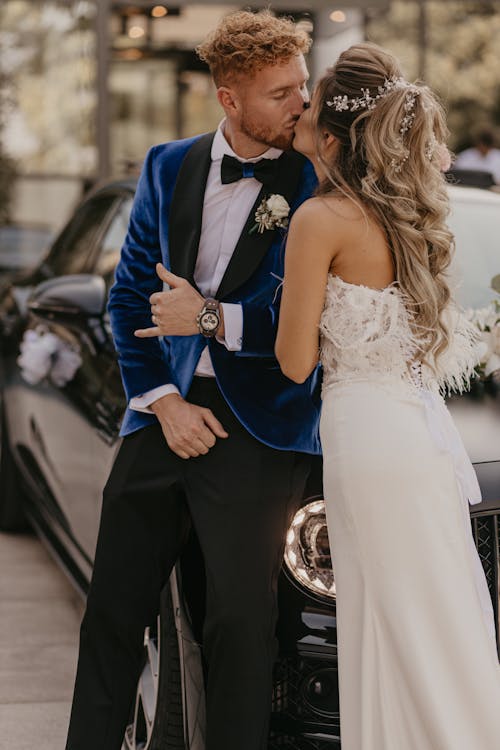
(214, 433)
(483, 156)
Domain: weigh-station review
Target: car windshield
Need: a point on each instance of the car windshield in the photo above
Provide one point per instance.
(475, 222)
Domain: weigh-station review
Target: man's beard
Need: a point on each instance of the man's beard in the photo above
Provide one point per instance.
(267, 135)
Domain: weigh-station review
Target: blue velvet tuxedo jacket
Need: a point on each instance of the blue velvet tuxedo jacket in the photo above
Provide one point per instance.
(165, 227)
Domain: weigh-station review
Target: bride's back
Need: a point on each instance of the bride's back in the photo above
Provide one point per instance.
(363, 255)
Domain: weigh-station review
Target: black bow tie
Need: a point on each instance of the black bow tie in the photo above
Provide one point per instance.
(233, 169)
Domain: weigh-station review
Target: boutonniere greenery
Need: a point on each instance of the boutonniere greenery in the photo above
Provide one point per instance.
(272, 213)
(487, 320)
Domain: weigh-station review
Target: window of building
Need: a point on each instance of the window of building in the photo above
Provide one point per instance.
(159, 90)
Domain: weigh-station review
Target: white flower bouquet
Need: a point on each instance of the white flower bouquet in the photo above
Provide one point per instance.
(487, 320)
(46, 356)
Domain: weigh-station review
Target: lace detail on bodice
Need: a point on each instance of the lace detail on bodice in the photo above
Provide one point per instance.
(366, 334)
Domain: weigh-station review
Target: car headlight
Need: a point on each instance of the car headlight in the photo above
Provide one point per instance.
(307, 550)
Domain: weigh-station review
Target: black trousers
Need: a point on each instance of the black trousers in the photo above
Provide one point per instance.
(240, 497)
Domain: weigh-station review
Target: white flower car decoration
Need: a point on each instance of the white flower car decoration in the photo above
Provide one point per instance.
(45, 355)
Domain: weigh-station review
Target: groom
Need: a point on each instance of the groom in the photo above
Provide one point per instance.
(214, 433)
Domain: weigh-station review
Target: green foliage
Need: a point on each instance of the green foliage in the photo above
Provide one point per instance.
(461, 57)
(495, 283)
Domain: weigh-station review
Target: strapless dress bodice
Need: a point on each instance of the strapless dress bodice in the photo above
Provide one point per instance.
(367, 334)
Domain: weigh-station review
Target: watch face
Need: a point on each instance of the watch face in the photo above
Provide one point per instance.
(209, 321)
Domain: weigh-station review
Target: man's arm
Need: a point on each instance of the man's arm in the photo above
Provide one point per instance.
(143, 402)
(229, 336)
(248, 328)
(188, 429)
(143, 364)
(260, 326)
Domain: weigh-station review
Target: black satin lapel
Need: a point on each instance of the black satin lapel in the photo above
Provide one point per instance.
(186, 208)
(251, 248)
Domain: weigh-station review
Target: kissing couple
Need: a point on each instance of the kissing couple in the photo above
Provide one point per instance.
(284, 280)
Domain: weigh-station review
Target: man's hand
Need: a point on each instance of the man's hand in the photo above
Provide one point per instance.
(189, 430)
(173, 312)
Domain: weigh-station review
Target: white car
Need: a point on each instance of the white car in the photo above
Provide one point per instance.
(475, 222)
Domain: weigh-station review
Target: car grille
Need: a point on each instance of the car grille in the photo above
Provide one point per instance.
(292, 716)
(486, 532)
(301, 743)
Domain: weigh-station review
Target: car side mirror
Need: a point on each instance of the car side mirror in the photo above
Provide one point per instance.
(80, 296)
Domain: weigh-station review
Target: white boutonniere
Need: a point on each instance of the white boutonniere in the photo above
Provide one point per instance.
(271, 214)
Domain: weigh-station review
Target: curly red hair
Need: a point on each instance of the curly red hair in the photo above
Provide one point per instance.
(244, 43)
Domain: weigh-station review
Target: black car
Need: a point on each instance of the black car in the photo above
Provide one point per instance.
(62, 402)
(22, 246)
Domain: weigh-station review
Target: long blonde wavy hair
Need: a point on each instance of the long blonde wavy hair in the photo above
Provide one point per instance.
(396, 177)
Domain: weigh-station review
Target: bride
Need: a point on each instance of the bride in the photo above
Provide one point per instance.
(366, 265)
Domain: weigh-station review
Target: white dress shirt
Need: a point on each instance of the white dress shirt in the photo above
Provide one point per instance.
(225, 211)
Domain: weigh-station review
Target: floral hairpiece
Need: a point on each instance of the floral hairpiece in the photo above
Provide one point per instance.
(368, 101)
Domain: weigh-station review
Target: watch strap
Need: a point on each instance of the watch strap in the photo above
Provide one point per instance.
(211, 304)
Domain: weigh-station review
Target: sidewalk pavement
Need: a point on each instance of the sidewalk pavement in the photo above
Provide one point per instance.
(40, 616)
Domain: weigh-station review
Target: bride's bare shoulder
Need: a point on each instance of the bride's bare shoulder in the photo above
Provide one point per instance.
(342, 208)
(312, 227)
(324, 214)
(329, 210)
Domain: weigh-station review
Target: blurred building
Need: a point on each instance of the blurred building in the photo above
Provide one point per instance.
(89, 85)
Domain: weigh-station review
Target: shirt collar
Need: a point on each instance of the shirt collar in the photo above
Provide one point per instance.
(220, 147)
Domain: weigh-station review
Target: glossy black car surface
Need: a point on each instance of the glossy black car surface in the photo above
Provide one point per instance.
(58, 442)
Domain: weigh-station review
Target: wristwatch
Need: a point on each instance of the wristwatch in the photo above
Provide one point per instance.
(208, 318)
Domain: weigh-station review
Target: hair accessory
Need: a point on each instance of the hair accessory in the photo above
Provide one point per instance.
(397, 164)
(409, 107)
(366, 100)
(406, 123)
(430, 147)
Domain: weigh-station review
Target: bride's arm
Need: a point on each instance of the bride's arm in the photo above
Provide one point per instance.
(311, 247)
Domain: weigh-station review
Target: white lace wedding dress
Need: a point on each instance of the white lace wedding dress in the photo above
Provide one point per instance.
(418, 665)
